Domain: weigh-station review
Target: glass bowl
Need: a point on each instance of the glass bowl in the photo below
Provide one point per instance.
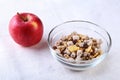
(82, 27)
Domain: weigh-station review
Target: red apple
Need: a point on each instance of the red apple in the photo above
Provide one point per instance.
(26, 29)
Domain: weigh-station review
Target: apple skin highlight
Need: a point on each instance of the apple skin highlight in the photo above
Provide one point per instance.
(26, 31)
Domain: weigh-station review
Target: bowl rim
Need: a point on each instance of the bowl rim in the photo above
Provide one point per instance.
(109, 45)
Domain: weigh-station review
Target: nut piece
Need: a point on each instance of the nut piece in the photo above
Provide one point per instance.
(65, 43)
(73, 55)
(78, 59)
(81, 44)
(96, 54)
(57, 51)
(69, 43)
(61, 48)
(79, 52)
(73, 48)
(88, 49)
(89, 42)
(66, 56)
(75, 37)
(67, 51)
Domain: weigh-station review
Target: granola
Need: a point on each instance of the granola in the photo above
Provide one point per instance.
(77, 47)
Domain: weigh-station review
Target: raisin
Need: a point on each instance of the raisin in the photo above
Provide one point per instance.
(85, 45)
(92, 53)
(54, 47)
(74, 41)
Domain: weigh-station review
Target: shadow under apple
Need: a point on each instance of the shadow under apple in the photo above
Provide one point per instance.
(41, 45)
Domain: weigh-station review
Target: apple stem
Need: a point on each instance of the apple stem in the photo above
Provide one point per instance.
(23, 18)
